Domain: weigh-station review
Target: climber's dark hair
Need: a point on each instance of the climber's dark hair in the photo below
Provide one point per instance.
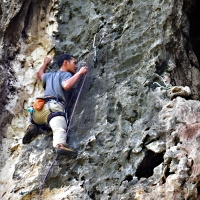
(62, 58)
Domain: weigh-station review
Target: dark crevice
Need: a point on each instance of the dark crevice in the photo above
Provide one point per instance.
(129, 155)
(0, 12)
(150, 161)
(94, 193)
(160, 68)
(12, 37)
(194, 19)
(167, 173)
(27, 19)
(128, 178)
(186, 52)
(198, 190)
(176, 140)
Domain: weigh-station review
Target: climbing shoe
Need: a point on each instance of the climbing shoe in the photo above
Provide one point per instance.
(62, 150)
(30, 133)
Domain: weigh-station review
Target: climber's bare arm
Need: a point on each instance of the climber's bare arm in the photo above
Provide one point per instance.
(43, 68)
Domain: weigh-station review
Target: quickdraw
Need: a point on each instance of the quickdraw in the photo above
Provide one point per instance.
(95, 46)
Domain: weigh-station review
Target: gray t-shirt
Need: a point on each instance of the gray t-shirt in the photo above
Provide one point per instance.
(54, 81)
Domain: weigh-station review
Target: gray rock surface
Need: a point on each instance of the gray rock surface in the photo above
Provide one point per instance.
(136, 126)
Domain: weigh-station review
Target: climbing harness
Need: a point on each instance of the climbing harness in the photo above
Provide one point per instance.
(54, 160)
(55, 114)
(31, 110)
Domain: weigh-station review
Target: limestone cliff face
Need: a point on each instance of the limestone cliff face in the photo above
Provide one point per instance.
(136, 126)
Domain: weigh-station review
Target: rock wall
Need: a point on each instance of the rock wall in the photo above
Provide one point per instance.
(136, 126)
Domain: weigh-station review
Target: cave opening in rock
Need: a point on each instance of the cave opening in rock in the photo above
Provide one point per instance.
(194, 20)
(150, 161)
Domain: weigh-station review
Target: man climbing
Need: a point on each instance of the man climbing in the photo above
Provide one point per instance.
(56, 94)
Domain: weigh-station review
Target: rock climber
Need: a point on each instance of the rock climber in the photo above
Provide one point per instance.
(57, 87)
